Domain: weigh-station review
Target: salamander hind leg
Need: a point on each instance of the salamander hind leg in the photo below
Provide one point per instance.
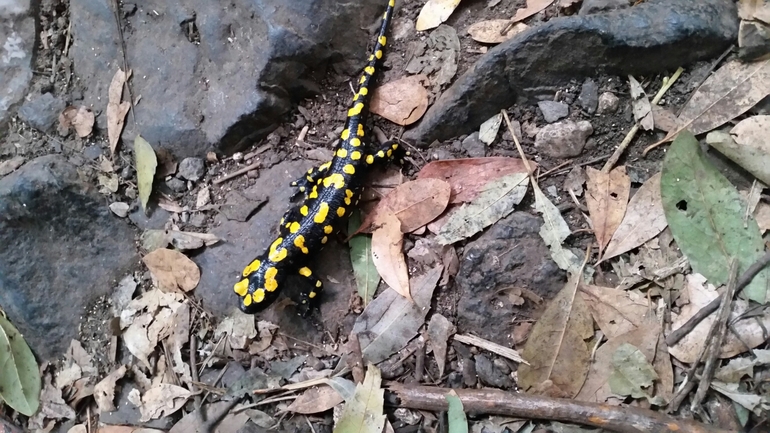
(305, 183)
(386, 153)
(309, 296)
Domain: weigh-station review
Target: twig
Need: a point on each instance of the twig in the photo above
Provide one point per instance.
(621, 419)
(214, 419)
(495, 348)
(551, 172)
(667, 83)
(237, 173)
(194, 374)
(704, 312)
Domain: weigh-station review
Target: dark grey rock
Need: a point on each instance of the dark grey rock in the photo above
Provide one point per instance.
(490, 375)
(177, 185)
(63, 248)
(92, 152)
(156, 219)
(597, 6)
(564, 139)
(553, 110)
(239, 207)
(588, 99)
(655, 36)
(17, 44)
(128, 414)
(192, 168)
(489, 263)
(215, 74)
(608, 103)
(473, 146)
(753, 41)
(41, 111)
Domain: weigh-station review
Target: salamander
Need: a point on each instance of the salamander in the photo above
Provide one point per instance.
(330, 192)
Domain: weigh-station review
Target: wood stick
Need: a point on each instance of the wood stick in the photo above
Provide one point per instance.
(620, 419)
(237, 173)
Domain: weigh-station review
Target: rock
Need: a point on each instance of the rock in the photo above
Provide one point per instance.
(17, 45)
(42, 111)
(655, 36)
(564, 139)
(192, 169)
(753, 41)
(7, 167)
(588, 98)
(596, 6)
(489, 264)
(214, 75)
(490, 375)
(177, 185)
(473, 146)
(156, 219)
(553, 111)
(92, 152)
(120, 209)
(239, 207)
(608, 103)
(68, 249)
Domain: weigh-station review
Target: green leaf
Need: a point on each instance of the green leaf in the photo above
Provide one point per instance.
(146, 162)
(367, 277)
(19, 374)
(705, 213)
(364, 413)
(632, 373)
(456, 419)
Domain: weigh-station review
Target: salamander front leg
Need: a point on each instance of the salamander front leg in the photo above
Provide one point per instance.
(306, 182)
(389, 151)
(309, 296)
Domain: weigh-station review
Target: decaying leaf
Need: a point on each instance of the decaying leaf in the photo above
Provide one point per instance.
(496, 201)
(388, 254)
(747, 145)
(738, 368)
(117, 110)
(758, 10)
(146, 163)
(414, 203)
(491, 31)
(162, 400)
(172, 270)
(632, 374)
(435, 12)
(705, 213)
(641, 105)
(607, 200)
(315, 400)
(616, 311)
(488, 130)
(239, 329)
(556, 349)
(753, 402)
(533, 7)
(364, 412)
(81, 118)
(364, 270)
(439, 331)
(104, 391)
(403, 101)
(20, 378)
(148, 319)
(554, 231)
(644, 219)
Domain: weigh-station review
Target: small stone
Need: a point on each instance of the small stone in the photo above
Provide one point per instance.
(92, 152)
(42, 111)
(552, 191)
(753, 40)
(489, 374)
(212, 157)
(238, 156)
(252, 174)
(553, 111)
(575, 181)
(192, 169)
(9, 166)
(198, 220)
(564, 139)
(203, 198)
(177, 185)
(120, 209)
(589, 96)
(608, 103)
(474, 146)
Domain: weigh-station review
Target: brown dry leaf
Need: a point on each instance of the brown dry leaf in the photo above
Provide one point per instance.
(80, 117)
(758, 10)
(78, 428)
(615, 311)
(414, 203)
(104, 391)
(607, 199)
(556, 349)
(468, 176)
(388, 254)
(315, 400)
(533, 7)
(643, 221)
(127, 429)
(664, 119)
(439, 331)
(490, 31)
(435, 12)
(751, 149)
(641, 105)
(762, 215)
(167, 164)
(116, 110)
(172, 270)
(403, 101)
(596, 388)
(731, 91)
(162, 400)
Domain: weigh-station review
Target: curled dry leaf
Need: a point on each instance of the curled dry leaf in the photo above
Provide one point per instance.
(434, 13)
(81, 118)
(403, 101)
(162, 400)
(491, 31)
(388, 254)
(316, 400)
(414, 203)
(172, 270)
(146, 162)
(116, 110)
(607, 200)
(104, 391)
(748, 147)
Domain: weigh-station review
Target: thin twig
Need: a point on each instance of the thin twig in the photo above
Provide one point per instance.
(237, 173)
(704, 312)
(194, 374)
(571, 167)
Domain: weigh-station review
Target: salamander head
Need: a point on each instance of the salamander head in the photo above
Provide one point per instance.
(259, 288)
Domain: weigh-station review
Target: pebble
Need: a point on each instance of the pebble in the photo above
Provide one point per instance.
(41, 111)
(474, 146)
(177, 185)
(553, 111)
(238, 156)
(608, 103)
(564, 139)
(92, 152)
(120, 209)
(192, 169)
(198, 219)
(489, 374)
(589, 96)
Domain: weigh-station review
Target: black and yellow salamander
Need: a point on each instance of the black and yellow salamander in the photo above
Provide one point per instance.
(330, 192)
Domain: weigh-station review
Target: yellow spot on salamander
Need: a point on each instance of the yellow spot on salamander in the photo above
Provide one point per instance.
(318, 283)
(294, 227)
(270, 282)
(325, 166)
(258, 296)
(356, 110)
(275, 244)
(360, 131)
(247, 300)
(299, 242)
(349, 169)
(342, 153)
(390, 153)
(241, 287)
(381, 154)
(364, 91)
(355, 142)
(324, 240)
(369, 70)
(335, 179)
(382, 40)
(302, 189)
(323, 210)
(328, 229)
(378, 54)
(355, 155)
(340, 211)
(348, 196)
(370, 159)
(278, 255)
(345, 134)
(363, 78)
(305, 272)
(311, 295)
(303, 210)
(314, 192)
(271, 272)
(253, 266)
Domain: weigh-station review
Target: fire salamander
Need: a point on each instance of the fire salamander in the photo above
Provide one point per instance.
(330, 191)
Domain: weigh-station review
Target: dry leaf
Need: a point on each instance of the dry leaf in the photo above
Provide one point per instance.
(533, 7)
(315, 400)
(80, 117)
(403, 101)
(751, 10)
(116, 110)
(104, 391)
(491, 31)
(435, 12)
(641, 105)
(750, 148)
(162, 400)
(616, 311)
(388, 255)
(643, 221)
(414, 203)
(439, 331)
(172, 270)
(607, 199)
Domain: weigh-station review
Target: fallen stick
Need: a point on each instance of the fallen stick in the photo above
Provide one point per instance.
(237, 173)
(620, 419)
